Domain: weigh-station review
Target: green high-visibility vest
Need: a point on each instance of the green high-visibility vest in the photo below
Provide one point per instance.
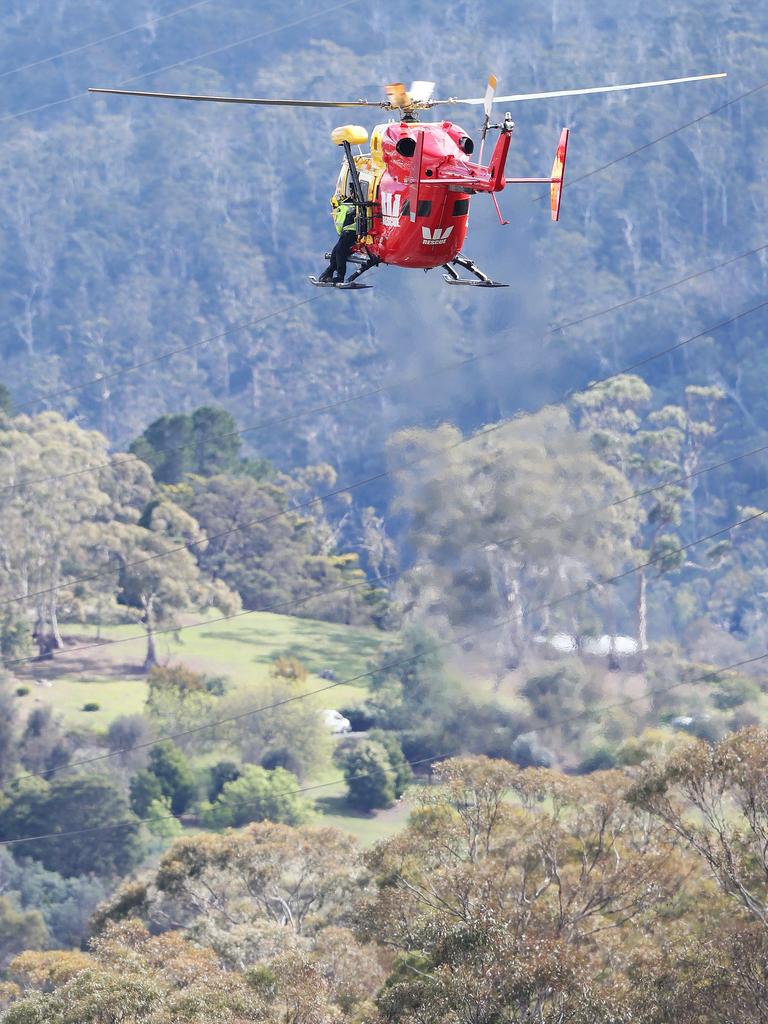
(340, 218)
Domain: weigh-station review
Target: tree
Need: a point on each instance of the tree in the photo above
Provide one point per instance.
(171, 769)
(125, 733)
(561, 696)
(66, 904)
(179, 699)
(496, 532)
(274, 557)
(648, 448)
(84, 802)
(145, 789)
(410, 678)
(726, 786)
(231, 885)
(369, 776)
(402, 774)
(496, 893)
(19, 930)
(44, 746)
(221, 773)
(288, 734)
(131, 975)
(259, 795)
(8, 740)
(160, 821)
(205, 442)
(43, 541)
(159, 576)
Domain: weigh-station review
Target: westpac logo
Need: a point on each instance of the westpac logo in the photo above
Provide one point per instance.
(436, 237)
(390, 209)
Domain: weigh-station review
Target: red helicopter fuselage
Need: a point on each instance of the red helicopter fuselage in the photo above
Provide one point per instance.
(418, 181)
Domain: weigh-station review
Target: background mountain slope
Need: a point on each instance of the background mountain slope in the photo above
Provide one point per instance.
(132, 227)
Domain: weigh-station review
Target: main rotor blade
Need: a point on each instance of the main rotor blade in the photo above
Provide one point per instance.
(490, 93)
(240, 99)
(581, 92)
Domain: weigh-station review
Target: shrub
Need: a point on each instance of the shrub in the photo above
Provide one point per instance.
(369, 776)
(259, 795)
(219, 775)
(22, 691)
(171, 769)
(599, 760)
(91, 705)
(361, 717)
(528, 751)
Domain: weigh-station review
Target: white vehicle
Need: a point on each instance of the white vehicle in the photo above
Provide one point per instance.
(336, 722)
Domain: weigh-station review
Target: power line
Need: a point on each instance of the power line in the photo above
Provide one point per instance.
(330, 406)
(105, 39)
(586, 713)
(442, 645)
(167, 355)
(186, 60)
(482, 355)
(660, 138)
(384, 474)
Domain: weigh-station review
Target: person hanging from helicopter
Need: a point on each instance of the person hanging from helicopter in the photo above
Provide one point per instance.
(422, 167)
(344, 217)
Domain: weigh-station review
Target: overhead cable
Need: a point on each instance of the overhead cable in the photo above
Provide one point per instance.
(187, 60)
(106, 39)
(384, 474)
(661, 138)
(590, 588)
(600, 709)
(338, 403)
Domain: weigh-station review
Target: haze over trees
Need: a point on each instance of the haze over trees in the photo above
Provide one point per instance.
(511, 892)
(529, 558)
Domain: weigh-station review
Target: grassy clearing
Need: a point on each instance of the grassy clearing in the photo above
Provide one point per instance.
(366, 828)
(242, 650)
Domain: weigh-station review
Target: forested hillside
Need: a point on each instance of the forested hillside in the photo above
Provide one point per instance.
(131, 228)
(476, 576)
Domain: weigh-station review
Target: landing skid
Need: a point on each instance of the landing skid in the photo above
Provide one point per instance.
(346, 286)
(364, 263)
(480, 280)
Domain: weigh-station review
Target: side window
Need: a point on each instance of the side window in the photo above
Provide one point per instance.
(460, 207)
(424, 208)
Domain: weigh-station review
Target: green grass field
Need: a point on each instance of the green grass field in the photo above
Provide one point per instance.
(242, 650)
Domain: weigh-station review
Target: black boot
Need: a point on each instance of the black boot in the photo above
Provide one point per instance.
(326, 275)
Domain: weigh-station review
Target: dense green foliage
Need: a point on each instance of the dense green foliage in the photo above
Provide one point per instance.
(532, 529)
(132, 228)
(258, 795)
(42, 809)
(512, 894)
(169, 766)
(205, 442)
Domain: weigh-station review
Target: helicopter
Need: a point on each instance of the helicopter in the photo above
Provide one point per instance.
(411, 190)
